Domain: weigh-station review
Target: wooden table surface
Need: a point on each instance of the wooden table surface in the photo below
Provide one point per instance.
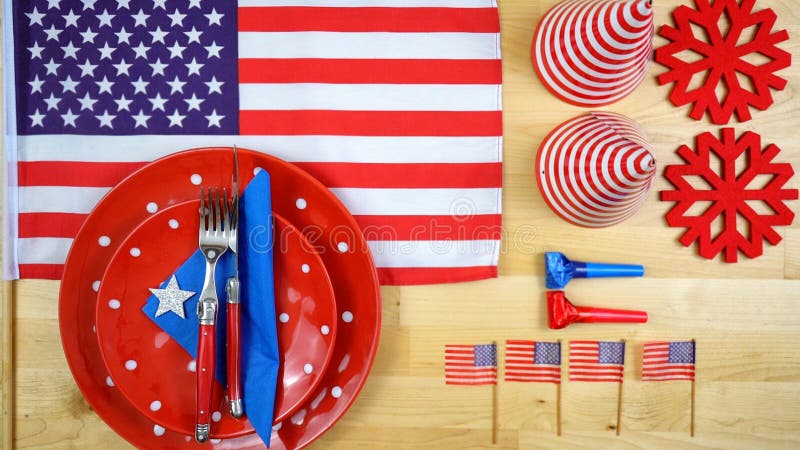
(745, 316)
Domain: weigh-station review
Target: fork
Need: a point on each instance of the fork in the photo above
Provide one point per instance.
(214, 233)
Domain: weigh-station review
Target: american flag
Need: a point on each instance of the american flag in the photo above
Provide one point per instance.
(668, 361)
(596, 361)
(470, 364)
(394, 104)
(533, 361)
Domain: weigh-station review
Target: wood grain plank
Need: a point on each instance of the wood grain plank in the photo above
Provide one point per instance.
(592, 440)
(7, 386)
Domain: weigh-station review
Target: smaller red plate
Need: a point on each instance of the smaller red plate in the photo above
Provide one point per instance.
(156, 374)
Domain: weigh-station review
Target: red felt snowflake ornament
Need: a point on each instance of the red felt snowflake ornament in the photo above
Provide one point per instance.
(723, 59)
(728, 193)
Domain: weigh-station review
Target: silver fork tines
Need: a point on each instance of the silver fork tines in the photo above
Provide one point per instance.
(215, 229)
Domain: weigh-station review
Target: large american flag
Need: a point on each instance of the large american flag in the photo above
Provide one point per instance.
(470, 364)
(533, 361)
(668, 361)
(596, 361)
(393, 104)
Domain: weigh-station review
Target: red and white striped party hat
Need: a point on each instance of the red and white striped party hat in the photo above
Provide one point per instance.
(594, 52)
(595, 170)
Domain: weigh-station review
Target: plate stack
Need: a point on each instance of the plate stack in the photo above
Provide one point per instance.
(140, 380)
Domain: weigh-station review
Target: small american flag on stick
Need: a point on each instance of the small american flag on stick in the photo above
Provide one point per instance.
(675, 360)
(668, 361)
(470, 364)
(532, 361)
(596, 361)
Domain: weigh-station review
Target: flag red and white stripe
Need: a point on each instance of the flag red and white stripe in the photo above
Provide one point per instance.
(661, 363)
(596, 361)
(393, 104)
(595, 170)
(592, 53)
(470, 364)
(523, 364)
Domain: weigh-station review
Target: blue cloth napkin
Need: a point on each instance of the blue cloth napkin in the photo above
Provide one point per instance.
(260, 359)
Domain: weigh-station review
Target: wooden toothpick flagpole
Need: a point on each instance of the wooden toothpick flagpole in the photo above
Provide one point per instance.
(558, 395)
(619, 407)
(694, 359)
(619, 392)
(494, 402)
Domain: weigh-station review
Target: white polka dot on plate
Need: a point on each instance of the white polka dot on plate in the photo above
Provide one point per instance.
(283, 317)
(308, 368)
(256, 170)
(104, 241)
(173, 224)
(192, 366)
(136, 252)
(342, 247)
(336, 392)
(301, 203)
(155, 405)
(131, 364)
(109, 381)
(325, 330)
(216, 416)
(114, 303)
(158, 430)
(347, 316)
(96, 285)
(152, 207)
(215, 441)
(196, 179)
(305, 268)
(277, 426)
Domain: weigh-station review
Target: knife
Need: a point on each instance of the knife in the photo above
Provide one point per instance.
(234, 306)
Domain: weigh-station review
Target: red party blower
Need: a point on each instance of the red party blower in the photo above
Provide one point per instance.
(561, 312)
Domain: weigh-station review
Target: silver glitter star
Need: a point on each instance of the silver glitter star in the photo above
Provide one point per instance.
(171, 298)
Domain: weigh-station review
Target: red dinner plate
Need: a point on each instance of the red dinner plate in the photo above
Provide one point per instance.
(155, 372)
(302, 201)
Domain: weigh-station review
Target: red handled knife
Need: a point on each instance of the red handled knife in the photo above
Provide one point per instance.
(234, 307)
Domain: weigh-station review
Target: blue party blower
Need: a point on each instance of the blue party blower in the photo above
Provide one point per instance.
(559, 270)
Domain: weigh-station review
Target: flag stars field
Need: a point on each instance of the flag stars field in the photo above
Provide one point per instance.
(95, 69)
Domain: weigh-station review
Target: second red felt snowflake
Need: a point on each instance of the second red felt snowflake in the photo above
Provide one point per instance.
(731, 194)
(723, 58)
